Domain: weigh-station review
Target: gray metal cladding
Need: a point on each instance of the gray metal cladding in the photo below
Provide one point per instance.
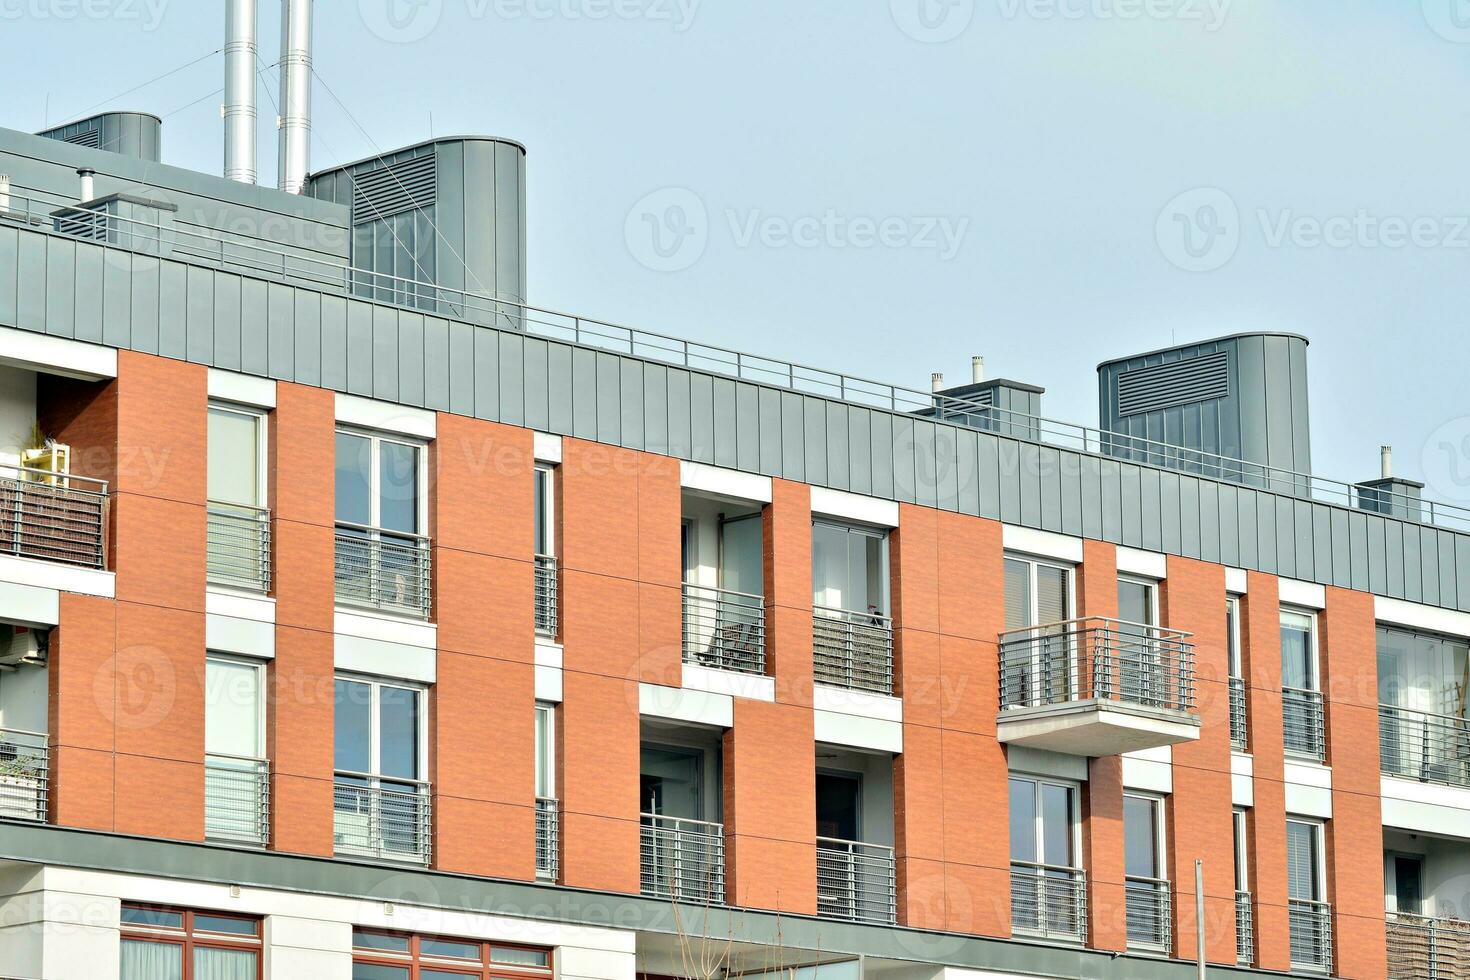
(1178, 383)
(89, 291)
(132, 134)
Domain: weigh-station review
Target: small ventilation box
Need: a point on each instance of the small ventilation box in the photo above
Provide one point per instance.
(22, 645)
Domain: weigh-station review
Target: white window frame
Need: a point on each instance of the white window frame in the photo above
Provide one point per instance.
(262, 444)
(1235, 664)
(1033, 562)
(546, 473)
(1241, 829)
(260, 703)
(376, 438)
(1315, 657)
(1073, 788)
(1161, 846)
(1152, 585)
(545, 735)
(885, 536)
(1319, 857)
(375, 735)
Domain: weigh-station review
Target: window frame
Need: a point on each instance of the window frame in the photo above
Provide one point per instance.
(544, 475)
(187, 939)
(415, 960)
(376, 438)
(1314, 655)
(545, 751)
(1152, 585)
(1240, 826)
(1235, 661)
(1033, 562)
(885, 540)
(1160, 822)
(259, 666)
(1319, 858)
(1074, 793)
(261, 417)
(375, 748)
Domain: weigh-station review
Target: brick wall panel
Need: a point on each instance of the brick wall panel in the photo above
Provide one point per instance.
(1261, 650)
(770, 807)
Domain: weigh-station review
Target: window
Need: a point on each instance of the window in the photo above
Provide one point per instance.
(545, 507)
(1139, 653)
(396, 956)
(1245, 933)
(1424, 726)
(1239, 733)
(236, 782)
(381, 802)
(1306, 892)
(238, 524)
(382, 512)
(1138, 601)
(850, 569)
(177, 944)
(544, 549)
(1406, 878)
(1038, 593)
(1048, 888)
(545, 751)
(1302, 727)
(1148, 913)
(1037, 663)
(1242, 853)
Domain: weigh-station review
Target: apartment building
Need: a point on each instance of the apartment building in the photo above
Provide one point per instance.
(363, 622)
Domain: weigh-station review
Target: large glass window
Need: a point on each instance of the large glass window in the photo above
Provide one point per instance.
(849, 568)
(1047, 887)
(379, 729)
(379, 482)
(1423, 672)
(1037, 658)
(1306, 891)
(672, 782)
(1147, 891)
(1037, 593)
(236, 456)
(235, 772)
(400, 956)
(1138, 601)
(175, 944)
(1303, 722)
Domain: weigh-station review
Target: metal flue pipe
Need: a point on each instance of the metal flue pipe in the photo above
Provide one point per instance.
(241, 48)
(295, 122)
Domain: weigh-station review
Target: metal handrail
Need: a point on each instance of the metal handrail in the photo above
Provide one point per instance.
(547, 597)
(245, 255)
(682, 860)
(1239, 731)
(239, 546)
(1426, 948)
(1097, 658)
(1049, 901)
(1245, 929)
(852, 649)
(724, 629)
(1302, 729)
(548, 838)
(373, 817)
(25, 774)
(53, 517)
(1148, 911)
(237, 799)
(1310, 927)
(856, 882)
(383, 569)
(1424, 745)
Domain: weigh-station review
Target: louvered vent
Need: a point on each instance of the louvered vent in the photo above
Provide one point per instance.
(404, 186)
(1197, 379)
(87, 137)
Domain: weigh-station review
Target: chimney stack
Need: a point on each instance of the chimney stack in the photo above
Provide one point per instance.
(936, 382)
(241, 48)
(1385, 454)
(977, 369)
(88, 192)
(295, 124)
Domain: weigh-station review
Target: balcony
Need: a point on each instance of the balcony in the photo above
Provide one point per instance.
(724, 630)
(682, 860)
(1423, 948)
(1148, 910)
(52, 517)
(24, 775)
(1096, 687)
(1311, 935)
(856, 882)
(382, 819)
(1431, 748)
(548, 839)
(1238, 731)
(1049, 902)
(852, 649)
(239, 554)
(1245, 929)
(237, 800)
(547, 600)
(1301, 723)
(383, 570)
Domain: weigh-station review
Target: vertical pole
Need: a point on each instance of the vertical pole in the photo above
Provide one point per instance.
(1199, 915)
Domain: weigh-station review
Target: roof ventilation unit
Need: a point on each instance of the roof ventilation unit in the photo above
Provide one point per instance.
(22, 645)
(131, 134)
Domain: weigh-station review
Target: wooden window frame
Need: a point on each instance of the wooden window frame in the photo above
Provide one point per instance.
(187, 939)
(415, 960)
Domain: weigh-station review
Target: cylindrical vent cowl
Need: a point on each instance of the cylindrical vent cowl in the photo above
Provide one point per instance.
(241, 54)
(295, 125)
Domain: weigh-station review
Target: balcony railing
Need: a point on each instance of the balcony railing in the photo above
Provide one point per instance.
(1048, 901)
(1311, 935)
(1245, 929)
(381, 818)
(1421, 948)
(853, 649)
(1238, 730)
(1148, 911)
(724, 629)
(547, 602)
(1096, 658)
(548, 838)
(386, 570)
(1431, 748)
(682, 860)
(237, 807)
(240, 547)
(1301, 722)
(25, 767)
(856, 882)
(51, 517)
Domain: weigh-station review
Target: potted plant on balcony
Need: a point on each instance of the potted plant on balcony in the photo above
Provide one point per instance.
(47, 460)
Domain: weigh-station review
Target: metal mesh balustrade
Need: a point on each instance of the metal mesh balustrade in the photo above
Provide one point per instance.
(1301, 722)
(25, 769)
(548, 838)
(724, 629)
(239, 547)
(385, 570)
(381, 818)
(1311, 935)
(1147, 911)
(856, 882)
(1049, 901)
(682, 860)
(852, 649)
(1422, 745)
(1237, 714)
(1097, 658)
(237, 800)
(52, 517)
(1245, 929)
(547, 595)
(1423, 948)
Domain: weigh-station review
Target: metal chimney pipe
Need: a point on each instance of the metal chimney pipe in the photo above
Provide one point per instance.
(241, 47)
(936, 382)
(88, 191)
(295, 123)
(4, 193)
(1386, 456)
(977, 369)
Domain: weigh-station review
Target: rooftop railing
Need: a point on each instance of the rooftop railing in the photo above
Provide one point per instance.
(56, 214)
(725, 630)
(382, 818)
(1097, 658)
(237, 800)
(1048, 901)
(1422, 745)
(682, 860)
(25, 767)
(381, 569)
(1424, 948)
(852, 649)
(239, 546)
(52, 517)
(856, 882)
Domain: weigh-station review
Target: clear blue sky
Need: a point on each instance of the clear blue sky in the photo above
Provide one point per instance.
(824, 149)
